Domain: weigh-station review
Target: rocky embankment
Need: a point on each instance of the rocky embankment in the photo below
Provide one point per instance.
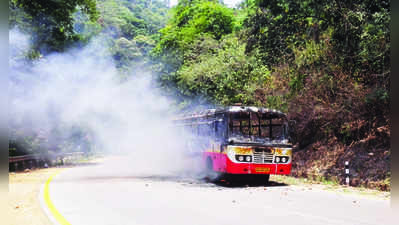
(369, 160)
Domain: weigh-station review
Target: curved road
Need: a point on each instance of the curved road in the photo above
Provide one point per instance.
(85, 196)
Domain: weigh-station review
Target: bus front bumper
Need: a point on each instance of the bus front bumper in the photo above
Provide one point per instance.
(251, 168)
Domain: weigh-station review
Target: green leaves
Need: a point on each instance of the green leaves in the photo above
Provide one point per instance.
(192, 34)
(226, 75)
(53, 21)
(125, 52)
(131, 27)
(192, 19)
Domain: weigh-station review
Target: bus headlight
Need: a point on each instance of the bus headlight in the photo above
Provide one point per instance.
(239, 153)
(281, 159)
(243, 158)
(248, 158)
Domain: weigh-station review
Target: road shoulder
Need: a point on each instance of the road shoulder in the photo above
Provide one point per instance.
(24, 196)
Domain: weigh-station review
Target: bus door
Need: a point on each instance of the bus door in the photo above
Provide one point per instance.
(217, 144)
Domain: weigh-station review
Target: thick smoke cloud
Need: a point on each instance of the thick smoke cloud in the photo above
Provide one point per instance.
(81, 89)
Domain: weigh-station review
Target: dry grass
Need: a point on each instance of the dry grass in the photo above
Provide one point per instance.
(24, 203)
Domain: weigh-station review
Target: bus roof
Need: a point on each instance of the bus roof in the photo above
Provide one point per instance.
(232, 109)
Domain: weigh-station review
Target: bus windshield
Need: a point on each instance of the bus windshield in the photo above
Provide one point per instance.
(255, 126)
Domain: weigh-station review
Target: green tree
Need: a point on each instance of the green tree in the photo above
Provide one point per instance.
(222, 73)
(190, 21)
(359, 33)
(53, 21)
(194, 18)
(131, 27)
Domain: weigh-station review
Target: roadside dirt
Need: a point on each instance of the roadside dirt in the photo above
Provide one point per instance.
(332, 187)
(24, 202)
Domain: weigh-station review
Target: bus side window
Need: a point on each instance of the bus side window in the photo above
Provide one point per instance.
(265, 128)
(219, 129)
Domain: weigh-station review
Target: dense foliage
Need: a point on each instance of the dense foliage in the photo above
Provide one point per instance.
(189, 34)
(132, 28)
(51, 22)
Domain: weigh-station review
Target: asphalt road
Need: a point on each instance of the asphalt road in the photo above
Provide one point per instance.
(85, 196)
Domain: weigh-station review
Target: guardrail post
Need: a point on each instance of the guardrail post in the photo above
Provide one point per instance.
(347, 173)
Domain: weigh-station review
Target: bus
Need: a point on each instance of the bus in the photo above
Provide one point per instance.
(239, 140)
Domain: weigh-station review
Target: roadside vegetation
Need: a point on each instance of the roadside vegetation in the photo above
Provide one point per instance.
(325, 63)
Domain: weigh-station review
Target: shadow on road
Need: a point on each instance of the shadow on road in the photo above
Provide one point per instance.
(237, 183)
(250, 184)
(183, 180)
(188, 179)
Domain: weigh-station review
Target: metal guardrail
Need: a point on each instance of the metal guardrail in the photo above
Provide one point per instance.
(41, 156)
(39, 160)
(24, 158)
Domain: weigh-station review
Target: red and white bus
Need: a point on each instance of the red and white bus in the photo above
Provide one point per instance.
(240, 140)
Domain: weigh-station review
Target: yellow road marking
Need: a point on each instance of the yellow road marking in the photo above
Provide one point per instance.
(56, 214)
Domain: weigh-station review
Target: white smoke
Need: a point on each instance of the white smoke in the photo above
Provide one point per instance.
(82, 88)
